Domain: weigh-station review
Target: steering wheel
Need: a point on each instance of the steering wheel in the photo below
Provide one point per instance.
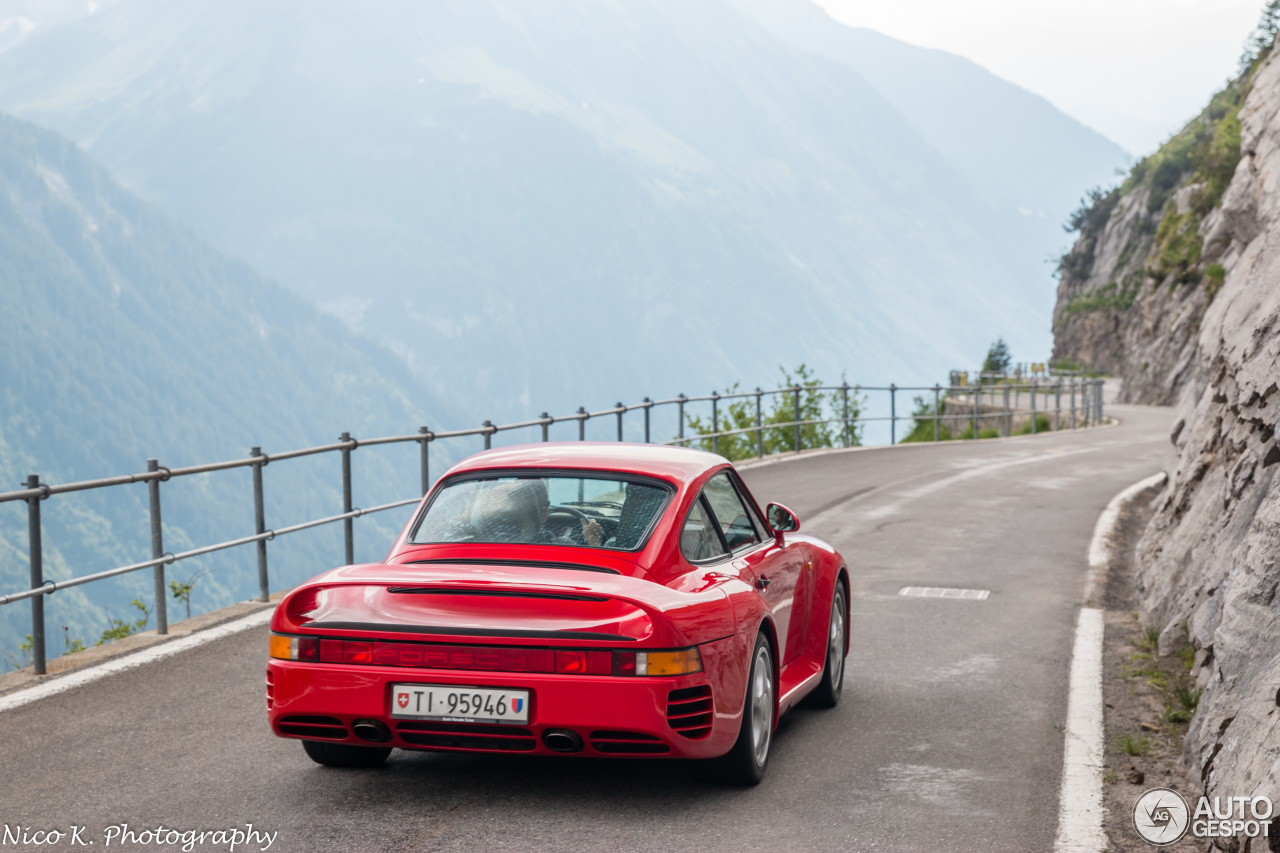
(575, 530)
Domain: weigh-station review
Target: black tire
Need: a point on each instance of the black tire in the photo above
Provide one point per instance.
(827, 693)
(747, 761)
(344, 755)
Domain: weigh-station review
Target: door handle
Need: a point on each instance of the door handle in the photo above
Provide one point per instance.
(762, 582)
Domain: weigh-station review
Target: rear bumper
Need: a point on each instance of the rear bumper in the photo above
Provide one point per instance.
(692, 716)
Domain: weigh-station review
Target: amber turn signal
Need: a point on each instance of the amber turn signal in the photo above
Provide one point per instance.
(668, 663)
(293, 648)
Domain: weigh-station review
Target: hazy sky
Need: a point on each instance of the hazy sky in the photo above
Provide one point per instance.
(1135, 70)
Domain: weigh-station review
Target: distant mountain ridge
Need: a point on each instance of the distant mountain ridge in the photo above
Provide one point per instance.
(541, 204)
(126, 337)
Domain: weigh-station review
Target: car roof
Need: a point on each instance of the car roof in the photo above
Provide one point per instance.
(680, 464)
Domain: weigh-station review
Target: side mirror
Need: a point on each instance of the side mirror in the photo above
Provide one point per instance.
(781, 520)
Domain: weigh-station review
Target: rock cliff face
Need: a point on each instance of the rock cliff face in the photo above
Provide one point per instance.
(1203, 330)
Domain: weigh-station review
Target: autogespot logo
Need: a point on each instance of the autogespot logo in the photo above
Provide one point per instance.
(1161, 816)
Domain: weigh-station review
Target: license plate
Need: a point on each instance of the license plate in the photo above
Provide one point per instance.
(455, 703)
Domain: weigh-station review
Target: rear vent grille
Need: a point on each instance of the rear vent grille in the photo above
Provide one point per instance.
(627, 743)
(467, 736)
(314, 727)
(689, 711)
(271, 690)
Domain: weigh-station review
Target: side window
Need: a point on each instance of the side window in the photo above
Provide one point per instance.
(698, 539)
(726, 504)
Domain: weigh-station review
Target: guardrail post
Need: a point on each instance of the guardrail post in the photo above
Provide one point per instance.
(36, 555)
(648, 404)
(546, 426)
(937, 409)
(1057, 404)
(893, 413)
(348, 524)
(973, 394)
(157, 548)
(582, 423)
(680, 400)
(260, 525)
(844, 400)
(488, 436)
(423, 443)
(797, 390)
(1033, 407)
(715, 421)
(1008, 415)
(621, 409)
(1100, 401)
(1072, 381)
(759, 424)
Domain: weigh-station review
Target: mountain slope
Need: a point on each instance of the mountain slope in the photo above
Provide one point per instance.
(1015, 147)
(547, 203)
(126, 337)
(1172, 283)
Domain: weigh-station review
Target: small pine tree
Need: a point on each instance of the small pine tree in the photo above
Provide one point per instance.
(998, 358)
(1263, 35)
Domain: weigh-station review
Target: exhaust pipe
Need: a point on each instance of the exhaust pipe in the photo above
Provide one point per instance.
(374, 731)
(562, 740)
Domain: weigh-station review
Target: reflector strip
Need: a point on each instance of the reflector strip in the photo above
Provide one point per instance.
(486, 658)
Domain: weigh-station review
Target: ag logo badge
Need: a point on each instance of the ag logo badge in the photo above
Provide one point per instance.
(1161, 816)
(402, 699)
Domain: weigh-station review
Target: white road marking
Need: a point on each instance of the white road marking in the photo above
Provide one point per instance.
(161, 650)
(975, 468)
(944, 592)
(1100, 546)
(1080, 806)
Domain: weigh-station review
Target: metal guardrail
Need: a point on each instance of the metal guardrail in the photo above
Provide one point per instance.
(1089, 411)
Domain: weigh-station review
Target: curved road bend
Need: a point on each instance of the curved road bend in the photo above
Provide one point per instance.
(949, 737)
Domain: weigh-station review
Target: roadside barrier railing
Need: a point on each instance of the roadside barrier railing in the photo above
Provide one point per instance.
(1077, 402)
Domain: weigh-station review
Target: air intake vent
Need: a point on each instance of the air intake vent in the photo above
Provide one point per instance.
(328, 728)
(467, 736)
(627, 743)
(689, 711)
(271, 690)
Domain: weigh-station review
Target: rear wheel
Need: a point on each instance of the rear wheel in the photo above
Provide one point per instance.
(344, 755)
(827, 693)
(745, 763)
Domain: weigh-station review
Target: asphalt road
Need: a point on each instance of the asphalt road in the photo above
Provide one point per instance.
(949, 736)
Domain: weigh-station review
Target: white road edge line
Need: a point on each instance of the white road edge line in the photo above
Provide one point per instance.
(1080, 807)
(147, 655)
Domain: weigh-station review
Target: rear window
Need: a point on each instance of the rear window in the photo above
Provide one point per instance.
(590, 512)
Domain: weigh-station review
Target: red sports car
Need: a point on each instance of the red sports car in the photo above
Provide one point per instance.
(568, 599)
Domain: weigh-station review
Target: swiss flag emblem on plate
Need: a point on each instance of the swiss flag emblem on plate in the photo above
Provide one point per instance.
(402, 699)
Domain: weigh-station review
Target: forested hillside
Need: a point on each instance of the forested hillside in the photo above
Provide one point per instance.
(127, 337)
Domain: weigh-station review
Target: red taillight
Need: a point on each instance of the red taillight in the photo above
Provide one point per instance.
(624, 663)
(584, 663)
(357, 652)
(571, 661)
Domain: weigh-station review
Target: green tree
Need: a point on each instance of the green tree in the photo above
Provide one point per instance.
(998, 358)
(922, 428)
(1263, 35)
(780, 408)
